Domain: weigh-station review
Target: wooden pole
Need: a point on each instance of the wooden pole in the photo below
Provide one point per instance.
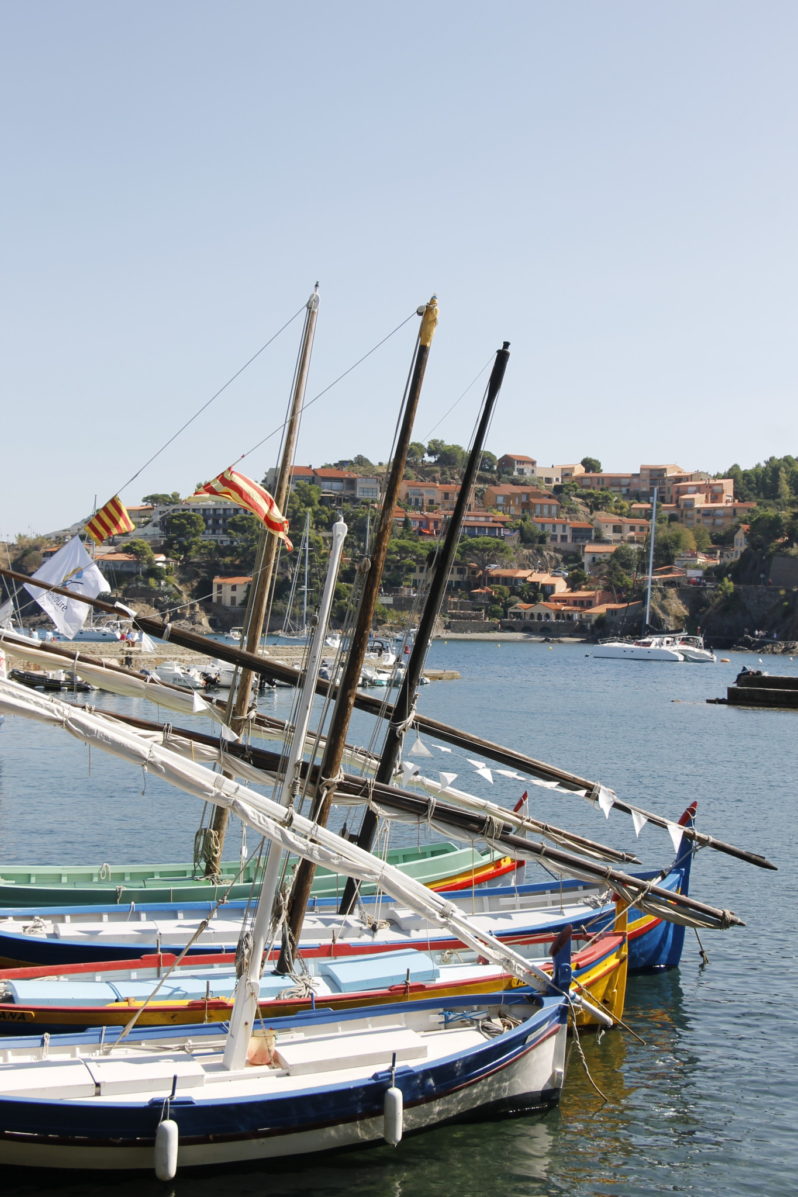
(406, 699)
(241, 694)
(347, 690)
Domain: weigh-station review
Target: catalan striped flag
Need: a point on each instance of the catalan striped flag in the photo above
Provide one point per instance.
(242, 490)
(110, 520)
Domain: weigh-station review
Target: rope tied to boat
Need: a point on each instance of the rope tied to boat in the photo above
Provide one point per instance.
(243, 953)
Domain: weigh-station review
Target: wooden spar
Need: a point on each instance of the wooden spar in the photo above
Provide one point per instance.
(373, 706)
(352, 785)
(406, 699)
(255, 617)
(472, 825)
(347, 688)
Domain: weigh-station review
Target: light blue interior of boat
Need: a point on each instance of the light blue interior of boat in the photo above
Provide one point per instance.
(378, 971)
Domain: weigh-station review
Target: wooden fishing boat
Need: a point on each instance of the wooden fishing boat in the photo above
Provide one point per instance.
(162, 991)
(520, 915)
(440, 865)
(316, 1082)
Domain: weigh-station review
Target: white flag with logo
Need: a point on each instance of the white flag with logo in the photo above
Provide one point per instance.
(72, 568)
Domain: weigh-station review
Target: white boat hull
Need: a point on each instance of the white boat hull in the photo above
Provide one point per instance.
(634, 652)
(78, 1108)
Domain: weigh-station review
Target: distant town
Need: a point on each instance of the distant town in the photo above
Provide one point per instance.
(560, 550)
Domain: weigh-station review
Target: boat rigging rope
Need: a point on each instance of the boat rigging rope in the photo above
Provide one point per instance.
(580, 1051)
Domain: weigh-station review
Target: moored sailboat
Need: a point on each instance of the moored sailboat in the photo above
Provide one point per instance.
(165, 991)
(313, 1083)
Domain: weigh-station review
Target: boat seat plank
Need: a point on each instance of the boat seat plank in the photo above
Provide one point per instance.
(371, 1048)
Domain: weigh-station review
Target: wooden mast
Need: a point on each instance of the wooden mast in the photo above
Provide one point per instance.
(240, 696)
(406, 699)
(347, 689)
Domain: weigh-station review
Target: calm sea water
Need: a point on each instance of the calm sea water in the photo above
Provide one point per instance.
(704, 1098)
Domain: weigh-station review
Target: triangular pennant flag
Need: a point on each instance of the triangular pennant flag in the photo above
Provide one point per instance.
(485, 772)
(606, 800)
(419, 748)
(639, 821)
(511, 773)
(676, 833)
(442, 748)
(409, 769)
(476, 764)
(447, 779)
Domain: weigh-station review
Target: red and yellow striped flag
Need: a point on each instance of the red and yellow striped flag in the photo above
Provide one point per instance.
(242, 490)
(110, 520)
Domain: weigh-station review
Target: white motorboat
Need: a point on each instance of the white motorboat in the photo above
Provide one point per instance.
(180, 675)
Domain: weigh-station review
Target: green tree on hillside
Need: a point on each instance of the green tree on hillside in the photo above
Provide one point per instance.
(245, 531)
(529, 533)
(450, 457)
(483, 552)
(672, 539)
(183, 532)
(159, 499)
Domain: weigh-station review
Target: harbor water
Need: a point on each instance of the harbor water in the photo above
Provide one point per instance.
(700, 1094)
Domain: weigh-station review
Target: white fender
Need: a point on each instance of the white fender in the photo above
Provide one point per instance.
(393, 1116)
(166, 1141)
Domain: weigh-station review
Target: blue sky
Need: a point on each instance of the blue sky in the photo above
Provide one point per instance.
(609, 186)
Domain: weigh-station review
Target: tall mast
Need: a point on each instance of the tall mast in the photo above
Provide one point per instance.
(373, 567)
(405, 702)
(264, 571)
(651, 535)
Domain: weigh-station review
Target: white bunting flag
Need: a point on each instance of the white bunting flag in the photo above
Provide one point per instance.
(447, 779)
(606, 800)
(639, 821)
(676, 833)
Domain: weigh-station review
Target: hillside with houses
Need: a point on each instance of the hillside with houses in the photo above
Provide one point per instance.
(560, 550)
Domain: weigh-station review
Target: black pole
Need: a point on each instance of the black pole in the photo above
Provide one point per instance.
(409, 689)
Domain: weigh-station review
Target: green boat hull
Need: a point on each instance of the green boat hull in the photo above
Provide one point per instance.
(85, 885)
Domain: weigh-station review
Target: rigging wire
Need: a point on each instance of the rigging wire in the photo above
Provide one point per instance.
(213, 397)
(461, 396)
(334, 383)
